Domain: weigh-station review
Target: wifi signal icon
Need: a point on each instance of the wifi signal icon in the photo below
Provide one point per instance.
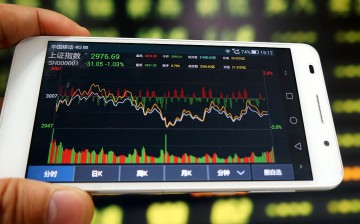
(227, 51)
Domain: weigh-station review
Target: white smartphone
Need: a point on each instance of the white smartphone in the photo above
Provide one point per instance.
(112, 115)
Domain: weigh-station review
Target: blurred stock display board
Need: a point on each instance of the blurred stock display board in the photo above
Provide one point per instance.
(331, 26)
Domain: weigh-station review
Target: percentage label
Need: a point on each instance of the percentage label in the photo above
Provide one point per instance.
(276, 127)
(268, 73)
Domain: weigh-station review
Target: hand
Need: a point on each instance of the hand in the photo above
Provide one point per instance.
(27, 201)
(20, 22)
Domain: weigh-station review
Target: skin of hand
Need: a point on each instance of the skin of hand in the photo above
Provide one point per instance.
(28, 201)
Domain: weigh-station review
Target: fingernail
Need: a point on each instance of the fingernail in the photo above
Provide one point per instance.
(66, 206)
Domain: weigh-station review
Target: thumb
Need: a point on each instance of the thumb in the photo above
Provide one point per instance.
(28, 201)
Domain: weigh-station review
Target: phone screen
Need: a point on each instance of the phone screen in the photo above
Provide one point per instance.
(125, 112)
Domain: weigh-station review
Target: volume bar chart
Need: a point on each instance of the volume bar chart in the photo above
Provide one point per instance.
(58, 154)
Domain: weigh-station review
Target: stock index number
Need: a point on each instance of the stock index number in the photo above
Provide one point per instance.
(46, 125)
(104, 56)
(51, 95)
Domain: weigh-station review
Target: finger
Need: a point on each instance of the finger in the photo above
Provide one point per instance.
(27, 201)
(20, 22)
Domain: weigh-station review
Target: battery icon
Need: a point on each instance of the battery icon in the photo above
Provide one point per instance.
(254, 52)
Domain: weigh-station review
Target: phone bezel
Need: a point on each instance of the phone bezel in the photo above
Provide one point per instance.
(21, 98)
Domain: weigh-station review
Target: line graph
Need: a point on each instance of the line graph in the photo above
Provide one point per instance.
(150, 103)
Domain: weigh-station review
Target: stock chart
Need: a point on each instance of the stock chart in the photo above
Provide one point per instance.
(164, 109)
